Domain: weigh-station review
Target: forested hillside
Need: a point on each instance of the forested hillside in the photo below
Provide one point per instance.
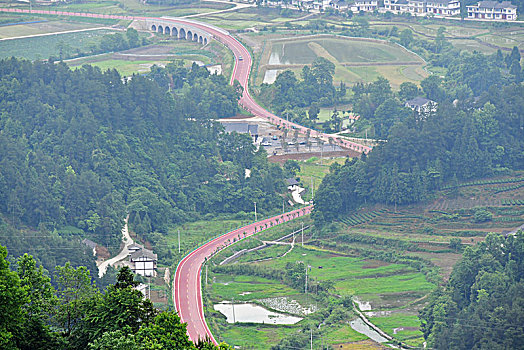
(484, 299)
(72, 314)
(477, 129)
(85, 148)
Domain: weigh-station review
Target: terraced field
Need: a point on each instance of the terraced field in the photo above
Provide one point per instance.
(355, 59)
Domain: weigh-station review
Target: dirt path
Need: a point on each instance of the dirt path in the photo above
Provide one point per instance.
(238, 6)
(127, 240)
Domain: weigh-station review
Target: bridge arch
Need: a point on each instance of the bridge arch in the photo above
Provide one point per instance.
(184, 31)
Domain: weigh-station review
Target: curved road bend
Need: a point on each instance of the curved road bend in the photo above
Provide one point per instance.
(187, 283)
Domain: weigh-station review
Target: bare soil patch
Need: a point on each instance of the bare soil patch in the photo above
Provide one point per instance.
(360, 345)
(281, 159)
(373, 264)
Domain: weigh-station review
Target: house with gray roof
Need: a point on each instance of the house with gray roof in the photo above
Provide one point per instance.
(421, 105)
(143, 262)
(493, 10)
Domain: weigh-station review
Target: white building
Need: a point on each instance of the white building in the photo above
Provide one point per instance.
(504, 11)
(143, 262)
(424, 7)
(443, 7)
(422, 105)
(364, 5)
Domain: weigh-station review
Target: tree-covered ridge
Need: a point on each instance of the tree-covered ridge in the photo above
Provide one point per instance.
(72, 314)
(482, 306)
(476, 130)
(86, 147)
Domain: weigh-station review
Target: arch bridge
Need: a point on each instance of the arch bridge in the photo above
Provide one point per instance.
(182, 31)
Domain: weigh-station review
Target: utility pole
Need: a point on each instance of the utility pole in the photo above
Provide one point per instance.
(303, 237)
(312, 193)
(178, 241)
(282, 206)
(311, 332)
(206, 275)
(233, 306)
(305, 287)
(255, 211)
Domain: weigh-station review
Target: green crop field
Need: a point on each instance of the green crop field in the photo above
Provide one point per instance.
(254, 337)
(46, 46)
(246, 288)
(389, 324)
(355, 60)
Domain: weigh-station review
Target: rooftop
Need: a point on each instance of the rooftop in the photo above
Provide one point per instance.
(418, 101)
(89, 243)
(241, 128)
(496, 4)
(143, 253)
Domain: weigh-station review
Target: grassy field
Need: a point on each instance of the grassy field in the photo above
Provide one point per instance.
(46, 46)
(227, 287)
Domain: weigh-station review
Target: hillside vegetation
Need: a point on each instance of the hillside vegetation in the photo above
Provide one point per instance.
(84, 149)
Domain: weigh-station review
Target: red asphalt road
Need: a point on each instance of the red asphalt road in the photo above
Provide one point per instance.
(187, 283)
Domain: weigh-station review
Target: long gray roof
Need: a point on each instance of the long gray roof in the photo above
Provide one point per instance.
(495, 4)
(241, 128)
(418, 101)
(143, 253)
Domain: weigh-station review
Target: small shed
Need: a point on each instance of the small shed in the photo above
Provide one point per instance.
(91, 245)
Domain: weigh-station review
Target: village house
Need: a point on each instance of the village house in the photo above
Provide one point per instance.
(90, 244)
(363, 5)
(421, 105)
(339, 5)
(143, 262)
(494, 10)
(424, 7)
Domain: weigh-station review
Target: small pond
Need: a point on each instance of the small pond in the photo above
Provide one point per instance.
(253, 313)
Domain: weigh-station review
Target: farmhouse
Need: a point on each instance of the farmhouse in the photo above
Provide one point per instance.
(493, 10)
(363, 5)
(421, 105)
(90, 244)
(143, 262)
(424, 7)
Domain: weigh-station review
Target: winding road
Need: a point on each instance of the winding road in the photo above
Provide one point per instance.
(187, 282)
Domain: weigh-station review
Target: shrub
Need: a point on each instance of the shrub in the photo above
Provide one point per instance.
(482, 215)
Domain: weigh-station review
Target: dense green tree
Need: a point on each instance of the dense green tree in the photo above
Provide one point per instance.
(484, 292)
(12, 297)
(75, 291)
(35, 332)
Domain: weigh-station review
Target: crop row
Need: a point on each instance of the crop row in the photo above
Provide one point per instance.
(507, 219)
(485, 182)
(513, 202)
(510, 188)
(358, 219)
